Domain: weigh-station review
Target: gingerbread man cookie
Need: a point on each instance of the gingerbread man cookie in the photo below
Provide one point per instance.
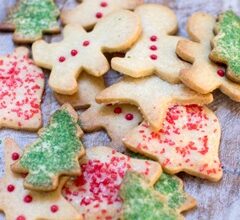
(154, 52)
(226, 45)
(81, 50)
(89, 12)
(188, 141)
(96, 192)
(21, 204)
(21, 88)
(54, 153)
(203, 76)
(30, 19)
(117, 120)
(152, 95)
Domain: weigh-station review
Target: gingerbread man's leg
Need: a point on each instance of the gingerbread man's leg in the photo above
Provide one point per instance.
(231, 89)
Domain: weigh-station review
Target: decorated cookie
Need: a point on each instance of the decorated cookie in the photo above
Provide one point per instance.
(226, 45)
(21, 88)
(20, 204)
(117, 120)
(54, 153)
(152, 95)
(89, 12)
(188, 141)
(84, 50)
(204, 76)
(154, 52)
(95, 193)
(141, 201)
(30, 19)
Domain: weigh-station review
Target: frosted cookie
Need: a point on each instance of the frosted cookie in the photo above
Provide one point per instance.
(226, 45)
(203, 76)
(152, 95)
(89, 12)
(188, 142)
(30, 19)
(54, 153)
(21, 204)
(95, 193)
(117, 120)
(141, 201)
(81, 50)
(154, 52)
(21, 88)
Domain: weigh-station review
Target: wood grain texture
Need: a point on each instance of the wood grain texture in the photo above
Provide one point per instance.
(220, 201)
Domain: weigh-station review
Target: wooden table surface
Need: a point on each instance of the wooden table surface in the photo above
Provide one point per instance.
(220, 201)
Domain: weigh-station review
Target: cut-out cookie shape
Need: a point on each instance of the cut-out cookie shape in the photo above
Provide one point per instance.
(81, 50)
(21, 88)
(30, 19)
(188, 141)
(152, 95)
(154, 52)
(226, 45)
(21, 204)
(54, 153)
(203, 76)
(95, 193)
(141, 201)
(116, 120)
(89, 12)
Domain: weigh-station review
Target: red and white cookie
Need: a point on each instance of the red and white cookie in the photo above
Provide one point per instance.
(21, 88)
(96, 192)
(188, 141)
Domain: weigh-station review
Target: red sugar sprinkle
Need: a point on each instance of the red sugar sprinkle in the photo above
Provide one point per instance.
(10, 188)
(15, 156)
(86, 43)
(153, 38)
(74, 52)
(104, 4)
(153, 56)
(21, 217)
(221, 72)
(27, 199)
(129, 116)
(62, 59)
(153, 47)
(117, 110)
(54, 208)
(99, 15)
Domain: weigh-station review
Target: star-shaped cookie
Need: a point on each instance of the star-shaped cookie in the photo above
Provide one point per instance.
(95, 192)
(154, 52)
(81, 50)
(21, 204)
(203, 76)
(117, 120)
(188, 141)
(152, 95)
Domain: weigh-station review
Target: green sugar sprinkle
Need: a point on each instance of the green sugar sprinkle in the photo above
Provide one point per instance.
(142, 202)
(31, 17)
(228, 41)
(54, 152)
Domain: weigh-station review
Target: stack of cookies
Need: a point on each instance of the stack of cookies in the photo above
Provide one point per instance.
(155, 115)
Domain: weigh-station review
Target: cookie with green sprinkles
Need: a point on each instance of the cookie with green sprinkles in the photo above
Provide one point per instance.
(55, 153)
(226, 44)
(141, 201)
(30, 19)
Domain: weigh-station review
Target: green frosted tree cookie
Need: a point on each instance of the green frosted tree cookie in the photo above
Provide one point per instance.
(226, 44)
(142, 202)
(56, 152)
(30, 18)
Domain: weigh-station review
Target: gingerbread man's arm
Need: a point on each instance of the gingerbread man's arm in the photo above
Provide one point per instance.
(130, 4)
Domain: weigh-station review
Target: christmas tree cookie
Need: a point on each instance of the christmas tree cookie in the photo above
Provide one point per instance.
(54, 153)
(226, 44)
(30, 19)
(18, 203)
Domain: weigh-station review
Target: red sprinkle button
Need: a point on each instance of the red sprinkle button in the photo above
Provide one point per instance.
(153, 38)
(74, 53)
(62, 59)
(153, 57)
(221, 72)
(10, 188)
(99, 15)
(27, 199)
(153, 47)
(20, 217)
(129, 116)
(117, 110)
(15, 156)
(86, 43)
(54, 208)
(104, 4)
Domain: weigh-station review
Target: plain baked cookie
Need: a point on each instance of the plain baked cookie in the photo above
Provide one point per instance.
(203, 76)
(89, 12)
(21, 88)
(18, 203)
(30, 19)
(152, 95)
(154, 52)
(81, 50)
(55, 153)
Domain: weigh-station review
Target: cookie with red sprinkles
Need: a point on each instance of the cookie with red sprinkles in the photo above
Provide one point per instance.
(89, 12)
(18, 203)
(21, 88)
(188, 141)
(117, 120)
(95, 193)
